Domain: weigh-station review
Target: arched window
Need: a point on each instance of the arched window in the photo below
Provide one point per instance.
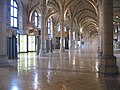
(14, 14)
(50, 27)
(58, 27)
(36, 19)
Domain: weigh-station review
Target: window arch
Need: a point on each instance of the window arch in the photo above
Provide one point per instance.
(36, 18)
(14, 14)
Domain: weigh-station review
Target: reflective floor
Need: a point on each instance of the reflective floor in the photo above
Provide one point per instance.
(75, 70)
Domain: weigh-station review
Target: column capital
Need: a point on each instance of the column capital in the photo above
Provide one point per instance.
(99, 2)
(42, 4)
(71, 23)
(43, 7)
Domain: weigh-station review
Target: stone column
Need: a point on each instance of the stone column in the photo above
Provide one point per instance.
(81, 39)
(54, 42)
(43, 27)
(70, 37)
(108, 60)
(62, 47)
(3, 27)
(76, 36)
(54, 37)
(100, 18)
(47, 34)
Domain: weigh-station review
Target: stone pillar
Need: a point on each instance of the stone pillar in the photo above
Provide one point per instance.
(54, 37)
(81, 39)
(76, 36)
(47, 34)
(3, 27)
(54, 42)
(62, 47)
(100, 18)
(70, 37)
(43, 27)
(108, 60)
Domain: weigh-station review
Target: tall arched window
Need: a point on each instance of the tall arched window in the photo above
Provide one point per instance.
(14, 14)
(58, 27)
(36, 19)
(50, 27)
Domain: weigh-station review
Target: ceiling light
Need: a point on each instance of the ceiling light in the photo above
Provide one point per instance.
(113, 22)
(39, 14)
(117, 17)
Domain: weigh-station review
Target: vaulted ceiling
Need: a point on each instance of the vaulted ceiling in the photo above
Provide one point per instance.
(83, 13)
(80, 12)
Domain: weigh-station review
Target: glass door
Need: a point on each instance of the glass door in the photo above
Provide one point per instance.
(23, 43)
(31, 43)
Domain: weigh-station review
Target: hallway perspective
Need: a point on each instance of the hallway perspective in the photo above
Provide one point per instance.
(69, 70)
(59, 44)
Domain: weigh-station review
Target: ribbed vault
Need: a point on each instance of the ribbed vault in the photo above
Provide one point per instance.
(80, 13)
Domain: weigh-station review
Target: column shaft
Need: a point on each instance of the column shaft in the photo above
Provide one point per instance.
(108, 27)
(62, 35)
(100, 17)
(54, 37)
(43, 27)
(3, 27)
(108, 60)
(62, 47)
(70, 37)
(76, 36)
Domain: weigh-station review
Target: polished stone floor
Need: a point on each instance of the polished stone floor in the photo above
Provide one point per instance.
(71, 70)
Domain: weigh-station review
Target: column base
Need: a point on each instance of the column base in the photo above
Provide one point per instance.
(108, 65)
(99, 55)
(3, 59)
(42, 52)
(70, 48)
(62, 49)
